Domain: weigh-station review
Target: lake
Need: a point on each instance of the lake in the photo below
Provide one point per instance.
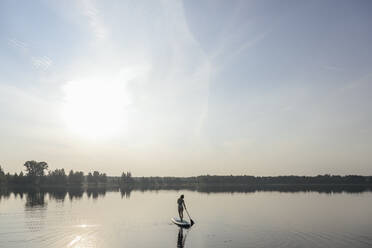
(100, 218)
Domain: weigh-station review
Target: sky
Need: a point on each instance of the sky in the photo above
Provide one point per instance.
(185, 88)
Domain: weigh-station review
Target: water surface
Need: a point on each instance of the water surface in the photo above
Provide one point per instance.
(142, 219)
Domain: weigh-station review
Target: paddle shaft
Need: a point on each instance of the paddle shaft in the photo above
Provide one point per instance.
(192, 222)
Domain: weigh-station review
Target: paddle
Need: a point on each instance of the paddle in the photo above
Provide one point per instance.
(192, 222)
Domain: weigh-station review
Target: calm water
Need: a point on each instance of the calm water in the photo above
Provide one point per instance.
(142, 219)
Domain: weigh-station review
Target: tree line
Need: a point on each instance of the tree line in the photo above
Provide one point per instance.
(37, 173)
(319, 179)
(253, 180)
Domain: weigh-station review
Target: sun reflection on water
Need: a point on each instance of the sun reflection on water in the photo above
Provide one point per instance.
(84, 237)
(74, 241)
(83, 241)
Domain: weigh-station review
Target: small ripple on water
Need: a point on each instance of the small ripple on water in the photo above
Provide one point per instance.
(318, 239)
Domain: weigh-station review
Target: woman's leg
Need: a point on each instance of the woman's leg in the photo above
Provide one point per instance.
(180, 213)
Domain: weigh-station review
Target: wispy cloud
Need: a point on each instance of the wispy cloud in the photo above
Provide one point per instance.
(18, 44)
(95, 21)
(38, 62)
(41, 63)
(332, 68)
(355, 84)
(249, 43)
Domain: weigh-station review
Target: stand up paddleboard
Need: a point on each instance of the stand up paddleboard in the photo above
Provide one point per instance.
(180, 223)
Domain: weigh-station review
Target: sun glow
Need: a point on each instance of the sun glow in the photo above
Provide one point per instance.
(94, 108)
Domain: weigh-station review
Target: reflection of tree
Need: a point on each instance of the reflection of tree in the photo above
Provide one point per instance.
(35, 199)
(223, 188)
(58, 194)
(125, 191)
(75, 193)
(4, 193)
(35, 196)
(18, 192)
(96, 191)
(35, 209)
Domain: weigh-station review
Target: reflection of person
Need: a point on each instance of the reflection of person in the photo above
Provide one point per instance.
(181, 205)
(181, 239)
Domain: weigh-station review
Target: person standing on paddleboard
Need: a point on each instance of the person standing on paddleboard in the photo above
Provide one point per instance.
(181, 205)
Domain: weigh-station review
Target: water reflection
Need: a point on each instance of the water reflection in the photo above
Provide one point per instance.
(284, 188)
(18, 193)
(75, 193)
(125, 192)
(35, 210)
(43, 218)
(35, 196)
(181, 239)
(35, 199)
(96, 192)
(59, 194)
(5, 193)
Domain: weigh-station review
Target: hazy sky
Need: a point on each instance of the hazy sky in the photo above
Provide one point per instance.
(187, 88)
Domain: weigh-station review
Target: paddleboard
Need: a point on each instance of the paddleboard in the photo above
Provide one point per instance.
(178, 222)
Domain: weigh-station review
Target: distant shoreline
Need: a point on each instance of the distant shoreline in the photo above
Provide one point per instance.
(199, 181)
(126, 189)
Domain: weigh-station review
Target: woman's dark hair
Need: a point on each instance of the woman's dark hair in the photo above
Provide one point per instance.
(182, 196)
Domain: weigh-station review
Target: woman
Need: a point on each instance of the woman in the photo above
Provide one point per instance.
(181, 205)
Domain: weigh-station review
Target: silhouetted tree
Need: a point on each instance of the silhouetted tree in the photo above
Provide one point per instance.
(58, 176)
(35, 171)
(75, 178)
(21, 179)
(90, 178)
(34, 168)
(15, 179)
(103, 178)
(2, 176)
(8, 178)
(126, 178)
(96, 177)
